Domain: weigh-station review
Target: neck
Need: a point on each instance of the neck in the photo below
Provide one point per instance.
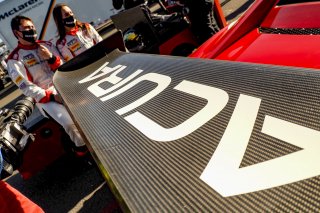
(28, 46)
(68, 29)
(26, 43)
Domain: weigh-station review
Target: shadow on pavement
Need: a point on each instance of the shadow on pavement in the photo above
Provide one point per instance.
(68, 185)
(239, 10)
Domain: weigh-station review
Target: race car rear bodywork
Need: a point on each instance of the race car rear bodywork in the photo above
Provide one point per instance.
(182, 134)
(197, 135)
(270, 32)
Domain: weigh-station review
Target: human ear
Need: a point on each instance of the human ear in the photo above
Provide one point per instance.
(15, 33)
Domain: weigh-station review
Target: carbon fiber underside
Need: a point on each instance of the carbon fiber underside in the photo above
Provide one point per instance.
(153, 176)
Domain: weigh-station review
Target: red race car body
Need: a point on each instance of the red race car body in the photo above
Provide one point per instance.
(270, 32)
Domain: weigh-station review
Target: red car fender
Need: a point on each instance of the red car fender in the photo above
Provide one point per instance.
(222, 40)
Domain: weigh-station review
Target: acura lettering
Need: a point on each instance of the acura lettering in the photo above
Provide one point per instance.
(222, 172)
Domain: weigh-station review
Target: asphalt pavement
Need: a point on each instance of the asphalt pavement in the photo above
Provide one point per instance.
(76, 185)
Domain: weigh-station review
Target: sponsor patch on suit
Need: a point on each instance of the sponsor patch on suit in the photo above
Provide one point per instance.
(74, 45)
(30, 60)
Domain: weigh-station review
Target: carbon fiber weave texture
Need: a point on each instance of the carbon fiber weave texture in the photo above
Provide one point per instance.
(164, 177)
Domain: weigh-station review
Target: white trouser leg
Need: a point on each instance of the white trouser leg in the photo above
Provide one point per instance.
(59, 113)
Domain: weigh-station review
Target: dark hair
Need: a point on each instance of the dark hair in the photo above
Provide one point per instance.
(57, 15)
(16, 22)
(117, 4)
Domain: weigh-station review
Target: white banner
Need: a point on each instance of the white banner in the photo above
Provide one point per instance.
(95, 11)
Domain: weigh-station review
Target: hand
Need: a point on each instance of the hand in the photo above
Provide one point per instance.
(44, 53)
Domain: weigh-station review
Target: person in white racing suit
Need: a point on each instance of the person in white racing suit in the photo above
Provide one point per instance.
(74, 36)
(31, 66)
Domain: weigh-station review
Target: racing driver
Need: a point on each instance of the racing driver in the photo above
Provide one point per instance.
(74, 36)
(31, 66)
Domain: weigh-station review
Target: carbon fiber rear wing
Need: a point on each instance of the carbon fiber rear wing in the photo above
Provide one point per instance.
(181, 134)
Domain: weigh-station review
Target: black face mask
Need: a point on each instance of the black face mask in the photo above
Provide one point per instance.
(29, 35)
(69, 21)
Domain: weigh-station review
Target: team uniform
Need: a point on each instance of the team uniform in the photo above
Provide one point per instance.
(34, 76)
(77, 41)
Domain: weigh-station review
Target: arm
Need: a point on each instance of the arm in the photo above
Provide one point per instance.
(55, 61)
(64, 50)
(49, 53)
(21, 77)
(95, 35)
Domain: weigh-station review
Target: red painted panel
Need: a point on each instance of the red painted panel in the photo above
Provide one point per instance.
(290, 50)
(305, 15)
(44, 150)
(246, 23)
(184, 37)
